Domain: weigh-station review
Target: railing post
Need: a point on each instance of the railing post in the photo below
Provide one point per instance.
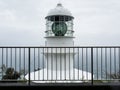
(29, 65)
(92, 65)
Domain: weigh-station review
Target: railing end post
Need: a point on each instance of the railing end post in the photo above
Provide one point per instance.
(92, 65)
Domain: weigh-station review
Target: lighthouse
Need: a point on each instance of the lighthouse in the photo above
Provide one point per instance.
(59, 52)
(59, 33)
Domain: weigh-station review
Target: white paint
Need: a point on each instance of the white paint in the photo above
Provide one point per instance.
(68, 76)
(60, 60)
(59, 10)
(59, 41)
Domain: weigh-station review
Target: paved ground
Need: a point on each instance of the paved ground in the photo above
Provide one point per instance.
(81, 86)
(58, 84)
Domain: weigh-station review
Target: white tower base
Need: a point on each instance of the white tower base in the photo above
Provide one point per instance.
(59, 63)
(48, 76)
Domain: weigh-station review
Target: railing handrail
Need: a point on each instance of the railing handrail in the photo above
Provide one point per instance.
(59, 46)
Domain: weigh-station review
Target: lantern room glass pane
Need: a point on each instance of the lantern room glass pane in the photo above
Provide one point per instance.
(59, 19)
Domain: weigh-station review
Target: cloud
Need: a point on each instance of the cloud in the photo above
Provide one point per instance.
(7, 16)
(96, 21)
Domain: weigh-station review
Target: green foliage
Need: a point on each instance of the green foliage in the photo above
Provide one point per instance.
(11, 74)
(98, 81)
(115, 76)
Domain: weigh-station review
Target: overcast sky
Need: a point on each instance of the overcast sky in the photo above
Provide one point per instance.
(22, 22)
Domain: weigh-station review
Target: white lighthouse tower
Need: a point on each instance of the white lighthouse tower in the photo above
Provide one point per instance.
(59, 33)
(59, 57)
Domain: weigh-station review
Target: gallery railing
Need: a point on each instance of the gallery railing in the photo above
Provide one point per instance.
(93, 64)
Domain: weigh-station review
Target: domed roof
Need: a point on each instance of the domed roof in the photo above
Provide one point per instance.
(59, 10)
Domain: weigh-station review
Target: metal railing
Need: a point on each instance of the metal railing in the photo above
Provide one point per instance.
(94, 64)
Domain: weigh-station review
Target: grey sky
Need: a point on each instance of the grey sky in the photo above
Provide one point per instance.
(22, 22)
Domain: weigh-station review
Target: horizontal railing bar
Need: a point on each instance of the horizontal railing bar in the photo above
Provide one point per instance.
(60, 47)
(13, 80)
(61, 80)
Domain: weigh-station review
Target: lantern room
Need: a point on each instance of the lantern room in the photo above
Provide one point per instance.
(59, 22)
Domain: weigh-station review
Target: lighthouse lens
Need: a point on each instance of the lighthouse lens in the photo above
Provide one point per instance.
(59, 28)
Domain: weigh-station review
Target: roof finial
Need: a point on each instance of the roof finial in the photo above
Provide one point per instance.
(59, 3)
